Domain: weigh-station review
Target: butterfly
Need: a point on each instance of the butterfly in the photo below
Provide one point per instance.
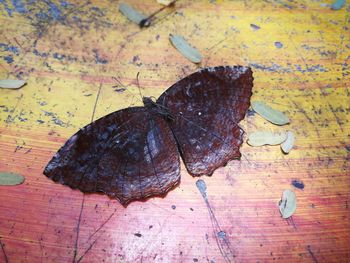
(134, 153)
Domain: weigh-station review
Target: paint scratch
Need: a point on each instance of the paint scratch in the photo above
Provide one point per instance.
(78, 230)
(312, 254)
(3, 251)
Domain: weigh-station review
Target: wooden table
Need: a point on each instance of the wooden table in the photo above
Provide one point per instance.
(69, 53)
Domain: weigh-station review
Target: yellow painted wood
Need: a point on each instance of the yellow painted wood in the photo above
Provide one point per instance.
(68, 51)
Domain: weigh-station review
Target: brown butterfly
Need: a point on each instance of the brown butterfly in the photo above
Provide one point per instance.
(133, 154)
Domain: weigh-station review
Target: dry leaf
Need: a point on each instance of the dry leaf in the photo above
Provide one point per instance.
(288, 203)
(261, 138)
(337, 4)
(11, 83)
(165, 2)
(10, 178)
(272, 115)
(132, 14)
(288, 144)
(185, 49)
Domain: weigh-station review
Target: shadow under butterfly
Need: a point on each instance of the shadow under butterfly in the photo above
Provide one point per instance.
(133, 154)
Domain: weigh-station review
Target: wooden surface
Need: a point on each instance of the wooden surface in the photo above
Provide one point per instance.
(68, 51)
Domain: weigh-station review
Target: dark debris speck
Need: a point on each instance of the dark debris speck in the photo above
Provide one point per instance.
(138, 235)
(278, 44)
(255, 27)
(120, 90)
(298, 184)
(250, 112)
(221, 234)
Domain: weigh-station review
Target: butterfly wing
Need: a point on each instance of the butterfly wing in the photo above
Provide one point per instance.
(130, 155)
(206, 108)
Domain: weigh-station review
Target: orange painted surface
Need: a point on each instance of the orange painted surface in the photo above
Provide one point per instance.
(68, 50)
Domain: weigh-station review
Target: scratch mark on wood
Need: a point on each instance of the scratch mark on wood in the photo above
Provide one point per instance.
(102, 225)
(28, 151)
(17, 42)
(168, 211)
(77, 230)
(87, 250)
(97, 97)
(4, 252)
(211, 49)
(223, 243)
(218, 43)
(311, 254)
(164, 18)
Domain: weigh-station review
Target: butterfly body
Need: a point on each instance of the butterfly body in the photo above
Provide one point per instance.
(155, 108)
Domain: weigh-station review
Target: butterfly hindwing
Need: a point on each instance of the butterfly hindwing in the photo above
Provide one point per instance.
(130, 155)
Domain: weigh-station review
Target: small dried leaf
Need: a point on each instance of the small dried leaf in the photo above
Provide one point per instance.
(288, 203)
(185, 49)
(11, 83)
(272, 115)
(10, 178)
(261, 138)
(132, 14)
(288, 144)
(337, 4)
(165, 2)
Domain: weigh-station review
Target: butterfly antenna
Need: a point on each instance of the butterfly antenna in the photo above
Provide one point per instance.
(119, 82)
(125, 88)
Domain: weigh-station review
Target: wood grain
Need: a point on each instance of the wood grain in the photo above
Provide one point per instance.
(69, 50)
